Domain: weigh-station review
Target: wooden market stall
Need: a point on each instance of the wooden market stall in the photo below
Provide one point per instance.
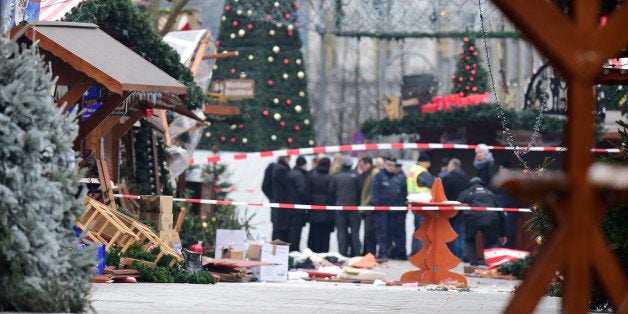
(81, 56)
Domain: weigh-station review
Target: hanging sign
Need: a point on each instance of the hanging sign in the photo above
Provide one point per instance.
(236, 89)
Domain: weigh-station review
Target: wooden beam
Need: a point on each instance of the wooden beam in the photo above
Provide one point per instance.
(109, 104)
(199, 53)
(220, 110)
(79, 87)
(221, 55)
(122, 129)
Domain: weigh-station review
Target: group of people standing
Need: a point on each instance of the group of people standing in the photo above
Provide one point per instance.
(379, 182)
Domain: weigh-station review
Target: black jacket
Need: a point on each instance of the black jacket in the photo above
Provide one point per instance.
(318, 185)
(454, 183)
(478, 195)
(284, 191)
(344, 188)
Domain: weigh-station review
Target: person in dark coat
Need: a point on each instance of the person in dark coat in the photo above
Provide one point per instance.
(284, 191)
(454, 183)
(298, 216)
(505, 199)
(321, 221)
(485, 163)
(344, 190)
(387, 189)
(490, 223)
(365, 179)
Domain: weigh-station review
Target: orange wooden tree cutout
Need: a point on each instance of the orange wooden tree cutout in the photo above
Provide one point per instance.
(577, 46)
(435, 260)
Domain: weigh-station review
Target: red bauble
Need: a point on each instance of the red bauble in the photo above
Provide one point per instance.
(268, 16)
(287, 15)
(467, 87)
(147, 113)
(471, 79)
(474, 89)
(232, 71)
(241, 126)
(295, 4)
(288, 102)
(466, 39)
(249, 26)
(270, 82)
(467, 58)
(460, 79)
(233, 140)
(473, 72)
(217, 42)
(461, 94)
(265, 112)
(286, 61)
(282, 123)
(235, 23)
(471, 48)
(222, 138)
(297, 128)
(461, 52)
(289, 33)
(197, 248)
(467, 67)
(453, 77)
(474, 65)
(475, 53)
(227, 8)
(289, 140)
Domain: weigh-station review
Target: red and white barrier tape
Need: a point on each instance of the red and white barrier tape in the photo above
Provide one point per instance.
(217, 189)
(323, 207)
(381, 146)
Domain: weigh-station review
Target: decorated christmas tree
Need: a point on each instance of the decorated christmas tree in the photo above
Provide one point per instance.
(42, 268)
(470, 77)
(278, 114)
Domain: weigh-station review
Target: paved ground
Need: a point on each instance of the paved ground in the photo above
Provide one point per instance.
(483, 296)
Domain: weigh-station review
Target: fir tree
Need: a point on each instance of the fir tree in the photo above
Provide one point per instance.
(470, 76)
(265, 35)
(40, 198)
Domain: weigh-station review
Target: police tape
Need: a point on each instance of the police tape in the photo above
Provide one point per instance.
(219, 189)
(381, 146)
(341, 208)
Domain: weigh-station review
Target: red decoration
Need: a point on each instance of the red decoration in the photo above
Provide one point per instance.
(289, 140)
(295, 4)
(227, 8)
(297, 128)
(233, 71)
(474, 89)
(286, 61)
(268, 16)
(467, 87)
(467, 58)
(453, 77)
(473, 72)
(471, 48)
(270, 82)
(287, 15)
(471, 79)
(265, 112)
(197, 248)
(249, 26)
(288, 102)
(289, 33)
(241, 126)
(475, 53)
(222, 138)
(466, 39)
(460, 79)
(233, 140)
(147, 113)
(461, 51)
(467, 67)
(217, 42)
(235, 23)
(474, 65)
(282, 123)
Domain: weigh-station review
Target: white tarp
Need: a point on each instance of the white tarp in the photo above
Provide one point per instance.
(54, 10)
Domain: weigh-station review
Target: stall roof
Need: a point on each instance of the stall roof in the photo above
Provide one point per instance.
(91, 51)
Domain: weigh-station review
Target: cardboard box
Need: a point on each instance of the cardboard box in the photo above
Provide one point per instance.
(160, 221)
(156, 204)
(227, 238)
(270, 253)
(232, 253)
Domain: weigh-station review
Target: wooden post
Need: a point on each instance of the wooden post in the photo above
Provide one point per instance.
(576, 246)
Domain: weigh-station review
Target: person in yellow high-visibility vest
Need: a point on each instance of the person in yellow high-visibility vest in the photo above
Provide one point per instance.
(419, 180)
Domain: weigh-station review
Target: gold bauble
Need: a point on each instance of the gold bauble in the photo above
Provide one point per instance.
(251, 57)
(311, 142)
(298, 61)
(300, 75)
(306, 121)
(271, 59)
(276, 4)
(290, 27)
(277, 116)
(232, 35)
(271, 32)
(233, 127)
(276, 101)
(298, 108)
(239, 12)
(242, 75)
(285, 76)
(223, 18)
(208, 134)
(273, 137)
(245, 140)
(301, 94)
(276, 49)
(241, 33)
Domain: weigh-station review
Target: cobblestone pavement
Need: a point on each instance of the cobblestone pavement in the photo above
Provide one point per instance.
(483, 296)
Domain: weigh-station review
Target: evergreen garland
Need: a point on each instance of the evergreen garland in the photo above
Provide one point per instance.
(144, 165)
(40, 199)
(450, 120)
(470, 76)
